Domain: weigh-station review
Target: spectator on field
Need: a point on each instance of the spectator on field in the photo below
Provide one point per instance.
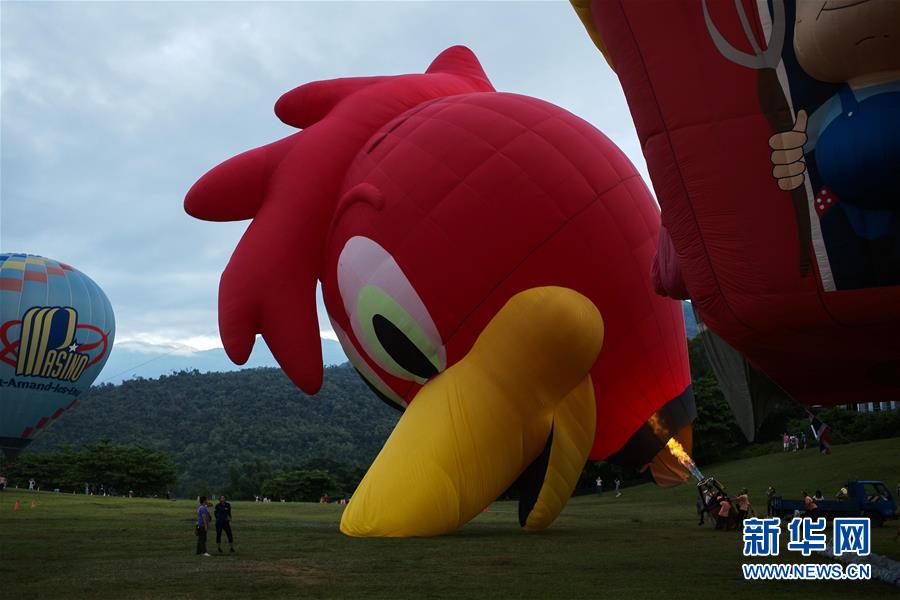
(599, 486)
(203, 519)
(724, 514)
(223, 523)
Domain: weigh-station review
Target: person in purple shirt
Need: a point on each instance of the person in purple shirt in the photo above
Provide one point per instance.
(203, 519)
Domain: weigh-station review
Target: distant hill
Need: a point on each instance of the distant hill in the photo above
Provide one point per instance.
(129, 360)
(208, 421)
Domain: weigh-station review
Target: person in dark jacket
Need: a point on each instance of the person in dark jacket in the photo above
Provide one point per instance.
(223, 523)
(770, 493)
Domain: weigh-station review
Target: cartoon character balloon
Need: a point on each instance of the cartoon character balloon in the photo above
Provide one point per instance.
(484, 260)
(772, 135)
(56, 332)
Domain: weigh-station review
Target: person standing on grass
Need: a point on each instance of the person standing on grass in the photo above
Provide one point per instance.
(203, 519)
(724, 513)
(599, 486)
(812, 509)
(618, 484)
(223, 523)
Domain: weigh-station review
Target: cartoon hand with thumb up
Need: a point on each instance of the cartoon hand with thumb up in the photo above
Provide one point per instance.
(787, 154)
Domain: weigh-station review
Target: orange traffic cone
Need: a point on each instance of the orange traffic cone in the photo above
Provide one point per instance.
(17, 506)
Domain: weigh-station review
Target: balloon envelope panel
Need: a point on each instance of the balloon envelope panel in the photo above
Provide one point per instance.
(56, 332)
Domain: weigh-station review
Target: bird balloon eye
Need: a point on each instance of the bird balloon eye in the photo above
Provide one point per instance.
(400, 344)
(388, 317)
(402, 349)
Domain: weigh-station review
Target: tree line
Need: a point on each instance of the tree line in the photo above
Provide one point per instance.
(252, 433)
(307, 481)
(97, 467)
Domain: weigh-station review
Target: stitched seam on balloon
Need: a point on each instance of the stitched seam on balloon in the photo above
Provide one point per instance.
(498, 153)
(591, 142)
(453, 102)
(528, 255)
(665, 132)
(526, 129)
(426, 214)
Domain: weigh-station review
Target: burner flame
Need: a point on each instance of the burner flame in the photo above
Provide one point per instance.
(683, 457)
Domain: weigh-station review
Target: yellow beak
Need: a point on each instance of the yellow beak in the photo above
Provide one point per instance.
(522, 396)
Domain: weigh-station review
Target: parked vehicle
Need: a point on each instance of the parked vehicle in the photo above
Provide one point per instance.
(870, 499)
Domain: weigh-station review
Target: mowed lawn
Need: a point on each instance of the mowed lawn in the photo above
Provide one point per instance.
(645, 544)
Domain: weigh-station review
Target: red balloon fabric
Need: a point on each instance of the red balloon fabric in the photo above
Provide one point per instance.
(753, 121)
(665, 273)
(453, 198)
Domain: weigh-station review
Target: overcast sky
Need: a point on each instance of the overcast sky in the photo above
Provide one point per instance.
(110, 111)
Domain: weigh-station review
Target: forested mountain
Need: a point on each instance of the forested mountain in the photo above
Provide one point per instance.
(208, 421)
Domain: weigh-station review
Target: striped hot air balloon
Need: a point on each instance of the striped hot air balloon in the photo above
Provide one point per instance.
(56, 332)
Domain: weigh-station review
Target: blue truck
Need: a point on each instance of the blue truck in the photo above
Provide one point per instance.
(870, 499)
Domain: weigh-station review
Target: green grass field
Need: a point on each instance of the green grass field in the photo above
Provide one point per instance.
(645, 544)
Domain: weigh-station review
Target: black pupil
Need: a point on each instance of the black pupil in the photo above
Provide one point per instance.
(401, 348)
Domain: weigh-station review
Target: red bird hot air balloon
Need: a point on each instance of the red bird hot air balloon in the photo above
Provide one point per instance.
(484, 259)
